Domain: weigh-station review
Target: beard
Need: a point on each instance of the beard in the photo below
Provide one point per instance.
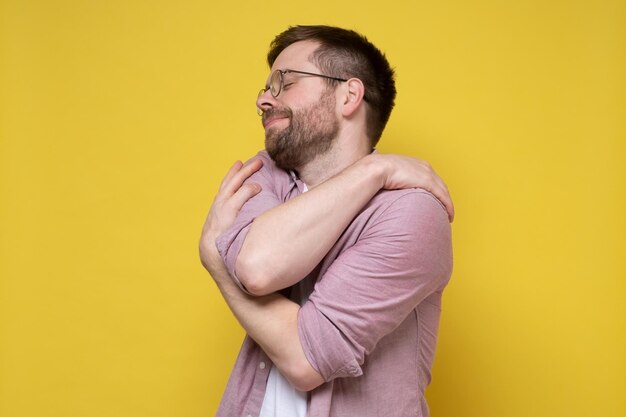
(311, 132)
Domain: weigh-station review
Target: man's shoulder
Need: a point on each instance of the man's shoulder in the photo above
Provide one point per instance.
(267, 160)
(272, 179)
(410, 200)
(412, 211)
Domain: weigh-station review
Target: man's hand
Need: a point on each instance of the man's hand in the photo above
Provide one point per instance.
(401, 172)
(272, 321)
(230, 197)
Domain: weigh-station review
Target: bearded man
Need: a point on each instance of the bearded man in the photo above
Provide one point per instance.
(332, 257)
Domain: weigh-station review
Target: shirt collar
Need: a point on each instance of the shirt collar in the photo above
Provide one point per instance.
(297, 181)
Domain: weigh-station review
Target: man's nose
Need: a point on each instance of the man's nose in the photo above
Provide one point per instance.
(265, 101)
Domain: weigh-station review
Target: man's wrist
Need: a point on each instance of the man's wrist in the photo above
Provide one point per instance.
(372, 167)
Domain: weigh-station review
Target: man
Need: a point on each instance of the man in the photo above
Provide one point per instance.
(327, 254)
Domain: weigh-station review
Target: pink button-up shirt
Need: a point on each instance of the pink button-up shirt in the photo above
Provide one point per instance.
(369, 311)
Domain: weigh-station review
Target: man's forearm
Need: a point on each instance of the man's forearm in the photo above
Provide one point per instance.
(272, 321)
(285, 243)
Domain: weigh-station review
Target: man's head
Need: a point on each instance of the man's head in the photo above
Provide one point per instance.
(332, 56)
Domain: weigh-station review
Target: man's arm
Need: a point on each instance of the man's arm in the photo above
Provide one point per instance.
(270, 320)
(403, 256)
(286, 242)
(402, 272)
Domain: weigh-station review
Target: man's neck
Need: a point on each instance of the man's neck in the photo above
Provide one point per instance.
(325, 166)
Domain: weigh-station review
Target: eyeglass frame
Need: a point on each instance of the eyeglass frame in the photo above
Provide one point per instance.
(282, 82)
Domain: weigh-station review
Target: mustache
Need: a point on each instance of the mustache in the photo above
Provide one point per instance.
(276, 112)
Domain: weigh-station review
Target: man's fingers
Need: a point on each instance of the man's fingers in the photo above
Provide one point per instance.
(443, 195)
(231, 172)
(243, 194)
(447, 202)
(439, 190)
(233, 182)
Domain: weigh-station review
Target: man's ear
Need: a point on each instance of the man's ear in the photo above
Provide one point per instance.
(354, 93)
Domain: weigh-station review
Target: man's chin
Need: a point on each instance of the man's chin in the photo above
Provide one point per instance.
(280, 158)
(271, 148)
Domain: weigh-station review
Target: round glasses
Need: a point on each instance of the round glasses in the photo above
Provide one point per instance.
(277, 80)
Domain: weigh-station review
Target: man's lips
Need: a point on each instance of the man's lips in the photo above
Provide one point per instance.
(272, 120)
(272, 116)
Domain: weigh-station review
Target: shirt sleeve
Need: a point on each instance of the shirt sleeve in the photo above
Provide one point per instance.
(401, 258)
(272, 181)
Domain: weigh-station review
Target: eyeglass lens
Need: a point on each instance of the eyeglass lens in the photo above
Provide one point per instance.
(275, 87)
(276, 83)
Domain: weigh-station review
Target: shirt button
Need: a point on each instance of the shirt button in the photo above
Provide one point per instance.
(262, 366)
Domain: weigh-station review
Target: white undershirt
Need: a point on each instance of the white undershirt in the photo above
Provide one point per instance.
(281, 398)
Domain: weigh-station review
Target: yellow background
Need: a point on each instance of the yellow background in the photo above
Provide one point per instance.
(119, 118)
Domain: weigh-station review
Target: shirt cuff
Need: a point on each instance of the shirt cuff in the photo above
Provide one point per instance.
(325, 346)
(229, 245)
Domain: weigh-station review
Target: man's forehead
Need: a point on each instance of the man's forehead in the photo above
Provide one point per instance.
(296, 56)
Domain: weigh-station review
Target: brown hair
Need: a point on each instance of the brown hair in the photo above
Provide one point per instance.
(347, 54)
